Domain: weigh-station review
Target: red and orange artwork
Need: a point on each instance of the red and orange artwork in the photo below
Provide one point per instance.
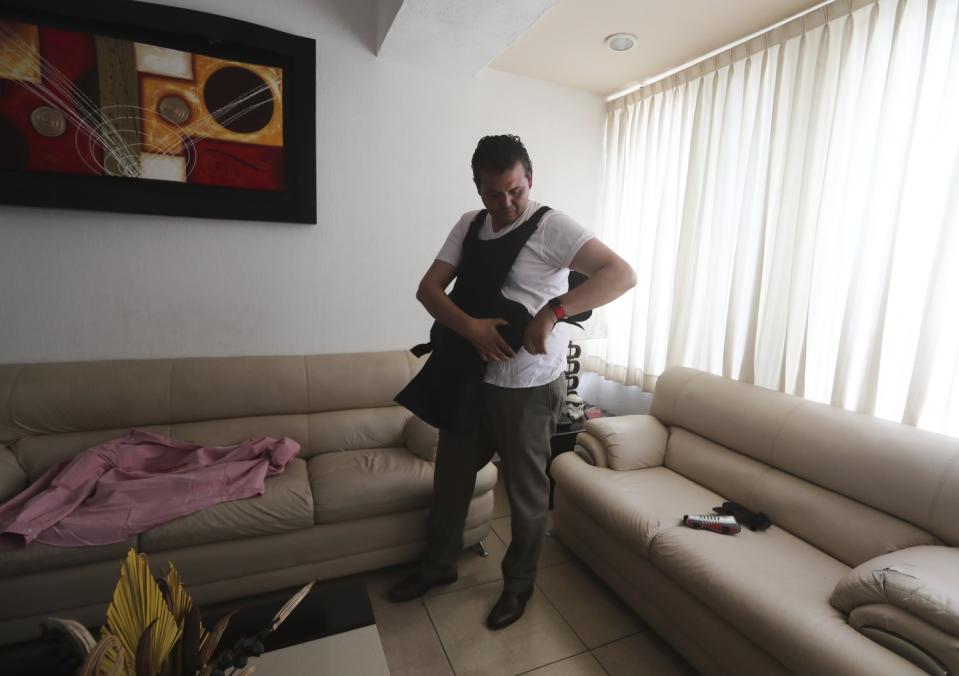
(78, 103)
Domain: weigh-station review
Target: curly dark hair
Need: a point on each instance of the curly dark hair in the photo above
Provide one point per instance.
(499, 154)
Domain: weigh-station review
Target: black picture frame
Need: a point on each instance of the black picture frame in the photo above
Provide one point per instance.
(195, 32)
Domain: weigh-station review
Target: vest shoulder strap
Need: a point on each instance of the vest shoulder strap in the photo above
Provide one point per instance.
(537, 217)
(473, 232)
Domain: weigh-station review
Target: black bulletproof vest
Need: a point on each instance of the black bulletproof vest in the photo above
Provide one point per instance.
(444, 392)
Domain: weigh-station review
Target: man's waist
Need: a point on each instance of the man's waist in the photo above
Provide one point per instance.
(526, 370)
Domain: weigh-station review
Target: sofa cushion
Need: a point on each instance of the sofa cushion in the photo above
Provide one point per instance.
(213, 388)
(89, 395)
(845, 529)
(421, 438)
(354, 429)
(286, 505)
(635, 507)
(36, 454)
(774, 588)
(370, 482)
(909, 473)
(37, 557)
(338, 382)
(229, 431)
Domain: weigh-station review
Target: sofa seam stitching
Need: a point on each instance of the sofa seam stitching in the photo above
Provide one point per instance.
(13, 386)
(309, 413)
(782, 425)
(938, 494)
(769, 466)
(173, 363)
(672, 410)
(752, 489)
(16, 441)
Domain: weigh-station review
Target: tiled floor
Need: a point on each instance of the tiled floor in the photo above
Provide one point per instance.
(573, 625)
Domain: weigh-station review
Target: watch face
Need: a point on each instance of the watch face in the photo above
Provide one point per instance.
(557, 306)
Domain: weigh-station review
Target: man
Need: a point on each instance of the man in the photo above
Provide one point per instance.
(494, 382)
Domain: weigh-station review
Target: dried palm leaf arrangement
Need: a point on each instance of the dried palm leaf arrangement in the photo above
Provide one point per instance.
(153, 628)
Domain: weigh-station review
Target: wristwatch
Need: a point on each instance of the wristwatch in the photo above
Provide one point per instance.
(559, 310)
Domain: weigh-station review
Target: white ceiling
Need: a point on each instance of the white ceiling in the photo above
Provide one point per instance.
(456, 36)
(562, 41)
(566, 45)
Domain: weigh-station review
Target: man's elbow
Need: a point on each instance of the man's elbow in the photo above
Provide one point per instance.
(627, 274)
(424, 292)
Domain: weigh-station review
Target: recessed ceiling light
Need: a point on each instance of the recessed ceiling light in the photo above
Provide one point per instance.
(621, 42)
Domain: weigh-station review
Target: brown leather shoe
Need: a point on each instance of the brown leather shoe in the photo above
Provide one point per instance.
(508, 609)
(415, 585)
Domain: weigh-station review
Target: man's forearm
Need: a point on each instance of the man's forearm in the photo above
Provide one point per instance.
(607, 284)
(443, 309)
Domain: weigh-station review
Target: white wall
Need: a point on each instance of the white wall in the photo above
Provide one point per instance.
(393, 149)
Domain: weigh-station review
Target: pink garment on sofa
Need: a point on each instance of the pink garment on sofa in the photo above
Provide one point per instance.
(125, 486)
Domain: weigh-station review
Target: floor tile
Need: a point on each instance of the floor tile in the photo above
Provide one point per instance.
(474, 569)
(594, 612)
(410, 643)
(642, 654)
(581, 665)
(379, 583)
(539, 638)
(553, 551)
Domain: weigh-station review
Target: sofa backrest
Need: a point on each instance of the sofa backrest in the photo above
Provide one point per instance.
(51, 411)
(892, 484)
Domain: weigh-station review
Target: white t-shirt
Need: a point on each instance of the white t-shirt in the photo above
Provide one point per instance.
(541, 272)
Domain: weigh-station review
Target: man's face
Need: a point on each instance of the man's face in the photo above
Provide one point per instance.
(505, 195)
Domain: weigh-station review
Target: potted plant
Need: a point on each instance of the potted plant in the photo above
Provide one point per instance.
(153, 628)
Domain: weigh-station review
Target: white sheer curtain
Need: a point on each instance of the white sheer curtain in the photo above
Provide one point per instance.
(791, 208)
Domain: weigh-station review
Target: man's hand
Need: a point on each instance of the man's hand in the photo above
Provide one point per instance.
(483, 336)
(534, 339)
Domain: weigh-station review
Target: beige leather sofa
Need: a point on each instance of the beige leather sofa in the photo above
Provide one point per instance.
(354, 499)
(859, 567)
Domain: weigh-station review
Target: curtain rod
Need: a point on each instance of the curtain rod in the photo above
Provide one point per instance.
(705, 57)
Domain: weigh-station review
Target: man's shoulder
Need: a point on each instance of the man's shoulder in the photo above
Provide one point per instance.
(463, 222)
(556, 218)
(467, 218)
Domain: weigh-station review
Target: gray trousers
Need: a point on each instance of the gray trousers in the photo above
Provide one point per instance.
(516, 423)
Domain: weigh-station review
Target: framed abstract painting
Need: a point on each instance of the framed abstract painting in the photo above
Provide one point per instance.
(136, 107)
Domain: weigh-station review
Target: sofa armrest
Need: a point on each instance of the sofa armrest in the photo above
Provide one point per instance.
(421, 438)
(12, 477)
(629, 441)
(590, 449)
(912, 593)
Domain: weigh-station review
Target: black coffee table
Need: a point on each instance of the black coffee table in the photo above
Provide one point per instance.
(333, 608)
(332, 631)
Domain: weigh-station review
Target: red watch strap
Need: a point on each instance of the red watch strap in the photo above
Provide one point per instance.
(558, 309)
